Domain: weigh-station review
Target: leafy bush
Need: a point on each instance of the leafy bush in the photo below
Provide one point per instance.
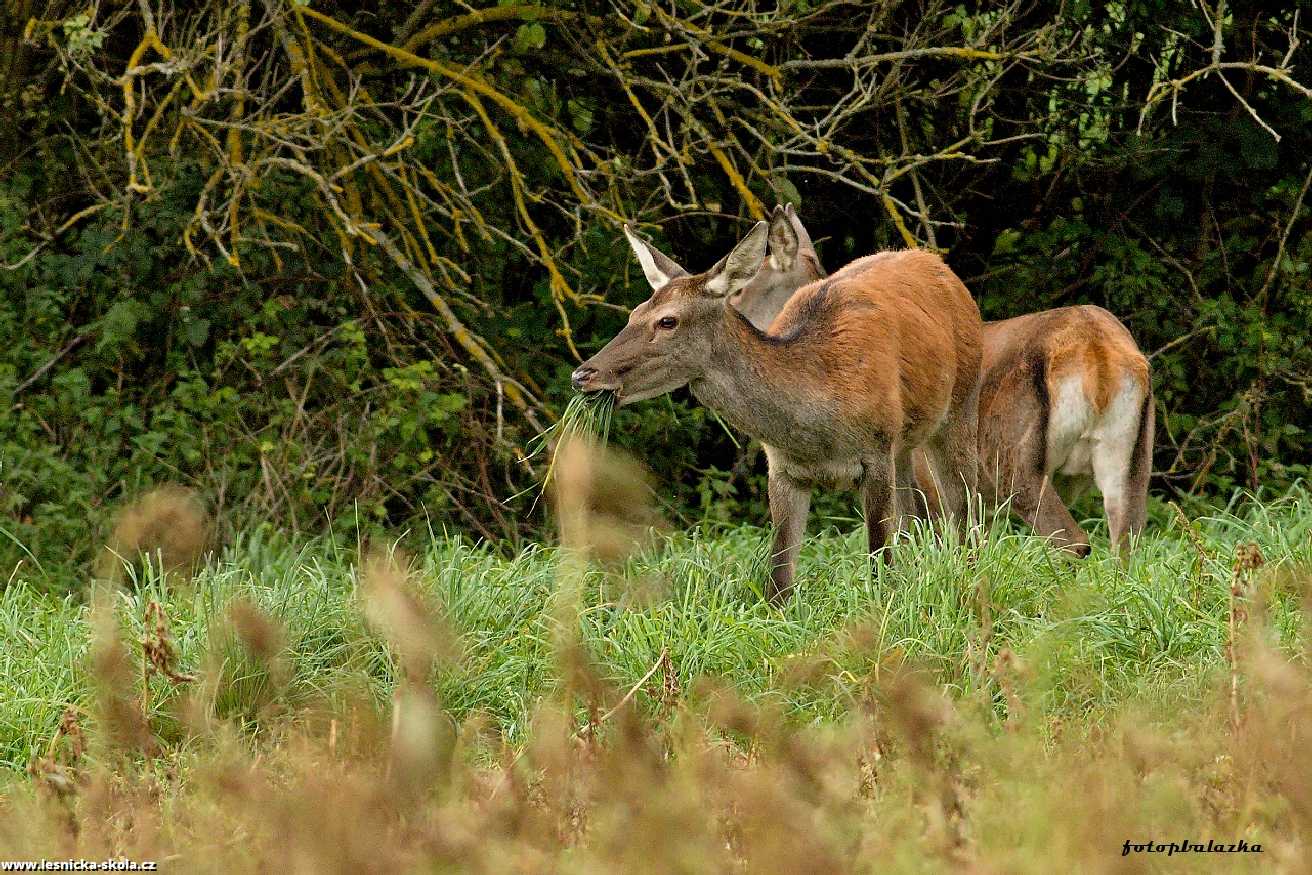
(304, 377)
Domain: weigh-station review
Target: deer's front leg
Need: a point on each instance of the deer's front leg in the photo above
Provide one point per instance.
(877, 500)
(790, 502)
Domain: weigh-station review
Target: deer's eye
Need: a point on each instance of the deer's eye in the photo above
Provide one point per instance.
(666, 322)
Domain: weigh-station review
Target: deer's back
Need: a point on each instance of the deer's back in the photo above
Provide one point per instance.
(896, 334)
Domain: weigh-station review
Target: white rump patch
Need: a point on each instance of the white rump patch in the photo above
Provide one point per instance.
(1077, 436)
(1115, 435)
(1082, 443)
(1070, 430)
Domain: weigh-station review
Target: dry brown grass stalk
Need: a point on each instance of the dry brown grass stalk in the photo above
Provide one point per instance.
(422, 735)
(1248, 558)
(122, 720)
(604, 502)
(167, 526)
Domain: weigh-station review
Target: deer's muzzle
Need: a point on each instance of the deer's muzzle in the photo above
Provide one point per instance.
(582, 376)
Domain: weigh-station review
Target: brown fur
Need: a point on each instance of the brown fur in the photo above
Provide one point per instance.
(858, 370)
(1084, 340)
(893, 314)
(1026, 362)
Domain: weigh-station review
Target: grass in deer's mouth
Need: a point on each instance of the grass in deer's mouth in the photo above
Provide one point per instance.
(586, 417)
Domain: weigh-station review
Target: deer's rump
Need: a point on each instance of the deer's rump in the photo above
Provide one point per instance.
(1070, 379)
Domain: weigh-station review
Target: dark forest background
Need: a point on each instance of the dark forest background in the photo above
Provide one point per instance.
(331, 265)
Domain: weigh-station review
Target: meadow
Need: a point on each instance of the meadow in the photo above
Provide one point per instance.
(333, 267)
(996, 706)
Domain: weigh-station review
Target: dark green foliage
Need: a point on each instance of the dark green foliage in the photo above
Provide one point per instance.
(296, 394)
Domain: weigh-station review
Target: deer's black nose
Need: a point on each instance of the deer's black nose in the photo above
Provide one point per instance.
(581, 376)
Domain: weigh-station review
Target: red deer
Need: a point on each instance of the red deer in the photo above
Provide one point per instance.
(1065, 399)
(858, 370)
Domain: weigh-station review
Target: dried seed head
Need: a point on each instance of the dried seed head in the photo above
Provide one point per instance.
(422, 737)
(261, 636)
(52, 777)
(168, 524)
(1248, 557)
(157, 644)
(603, 501)
(395, 606)
(71, 730)
(118, 710)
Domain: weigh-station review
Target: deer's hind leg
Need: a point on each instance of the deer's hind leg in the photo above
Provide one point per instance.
(953, 456)
(878, 500)
(1141, 468)
(1036, 500)
(1118, 464)
(1034, 497)
(912, 501)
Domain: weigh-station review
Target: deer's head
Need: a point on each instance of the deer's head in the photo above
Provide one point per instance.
(671, 337)
(792, 264)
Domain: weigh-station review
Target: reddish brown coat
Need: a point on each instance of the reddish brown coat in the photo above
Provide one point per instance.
(859, 369)
(895, 335)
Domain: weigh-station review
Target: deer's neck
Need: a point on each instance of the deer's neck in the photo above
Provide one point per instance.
(759, 385)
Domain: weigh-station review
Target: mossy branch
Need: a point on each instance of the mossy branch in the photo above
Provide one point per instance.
(468, 340)
(473, 83)
(752, 202)
(150, 41)
(517, 12)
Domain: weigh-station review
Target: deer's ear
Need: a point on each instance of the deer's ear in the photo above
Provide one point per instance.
(658, 267)
(784, 241)
(804, 244)
(737, 268)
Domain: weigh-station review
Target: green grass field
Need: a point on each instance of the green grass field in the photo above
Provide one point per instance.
(1009, 632)
(1102, 633)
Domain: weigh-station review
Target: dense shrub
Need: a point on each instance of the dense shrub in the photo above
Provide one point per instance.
(292, 385)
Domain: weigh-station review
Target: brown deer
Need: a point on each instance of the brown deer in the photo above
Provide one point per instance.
(858, 370)
(1065, 399)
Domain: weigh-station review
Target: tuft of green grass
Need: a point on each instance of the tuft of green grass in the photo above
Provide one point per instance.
(586, 417)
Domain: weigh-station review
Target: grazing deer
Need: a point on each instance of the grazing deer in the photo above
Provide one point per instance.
(1065, 398)
(878, 359)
